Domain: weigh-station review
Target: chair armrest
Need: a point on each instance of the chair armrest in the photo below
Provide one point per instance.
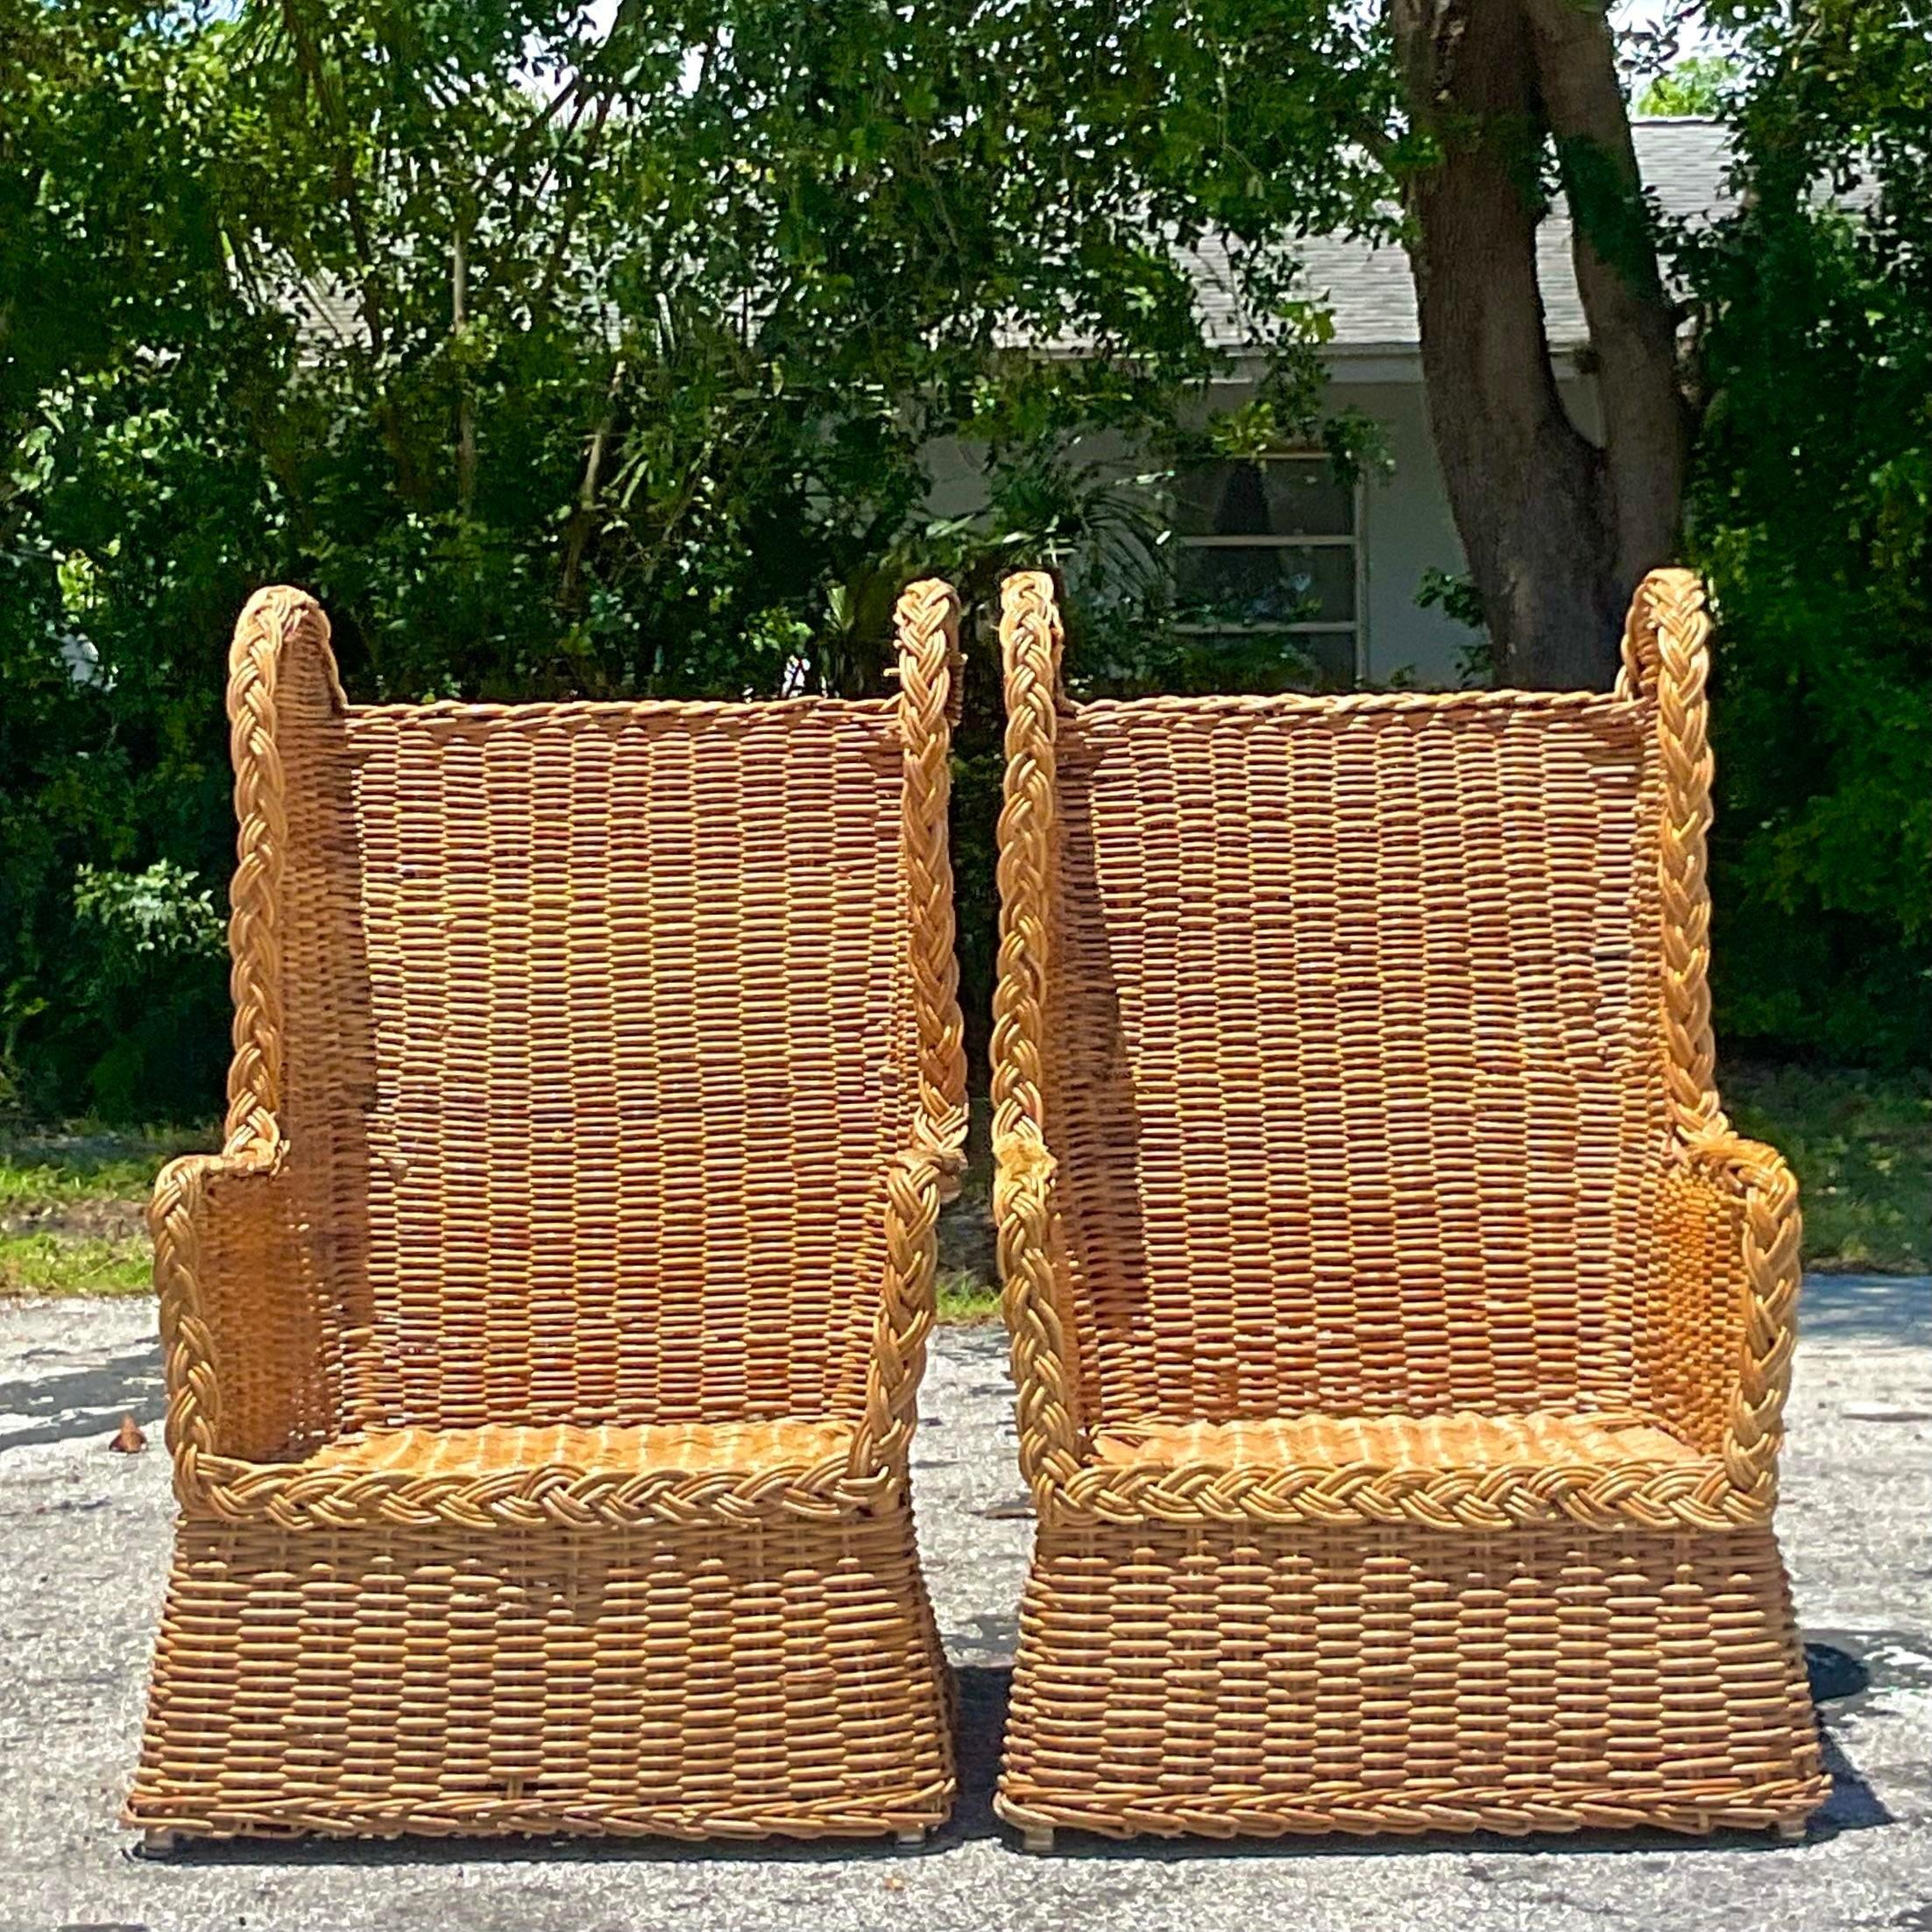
(1053, 1436)
(1730, 1227)
(918, 1183)
(238, 1330)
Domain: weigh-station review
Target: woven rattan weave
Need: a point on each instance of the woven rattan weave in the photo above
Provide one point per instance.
(542, 1349)
(1401, 1333)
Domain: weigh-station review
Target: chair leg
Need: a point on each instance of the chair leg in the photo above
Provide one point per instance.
(1790, 1830)
(1036, 1838)
(160, 1843)
(910, 1837)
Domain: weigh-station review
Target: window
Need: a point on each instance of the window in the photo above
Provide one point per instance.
(1266, 561)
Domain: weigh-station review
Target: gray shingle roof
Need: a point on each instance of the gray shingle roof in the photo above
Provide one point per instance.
(1372, 299)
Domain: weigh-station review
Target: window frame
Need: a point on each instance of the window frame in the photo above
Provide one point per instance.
(1357, 627)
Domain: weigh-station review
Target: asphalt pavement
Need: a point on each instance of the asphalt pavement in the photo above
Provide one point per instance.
(83, 1542)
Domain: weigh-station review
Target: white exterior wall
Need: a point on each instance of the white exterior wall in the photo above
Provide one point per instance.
(1403, 524)
(1404, 530)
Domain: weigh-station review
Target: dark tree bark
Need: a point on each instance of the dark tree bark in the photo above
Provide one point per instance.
(1557, 529)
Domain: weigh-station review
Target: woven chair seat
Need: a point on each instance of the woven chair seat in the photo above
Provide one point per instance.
(693, 1448)
(1462, 1441)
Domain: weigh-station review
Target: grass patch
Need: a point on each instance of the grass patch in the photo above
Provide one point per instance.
(966, 1300)
(71, 1206)
(47, 1264)
(1861, 1146)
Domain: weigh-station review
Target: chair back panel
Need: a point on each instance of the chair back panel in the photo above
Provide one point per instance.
(599, 1037)
(1354, 1070)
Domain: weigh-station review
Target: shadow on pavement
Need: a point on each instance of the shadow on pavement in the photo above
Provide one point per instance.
(1867, 1307)
(84, 1402)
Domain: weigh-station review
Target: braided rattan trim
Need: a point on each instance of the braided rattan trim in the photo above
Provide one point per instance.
(1770, 1234)
(1659, 1496)
(928, 622)
(1667, 659)
(187, 1348)
(296, 1496)
(272, 622)
(1053, 1444)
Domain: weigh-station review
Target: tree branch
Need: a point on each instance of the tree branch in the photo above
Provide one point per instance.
(583, 514)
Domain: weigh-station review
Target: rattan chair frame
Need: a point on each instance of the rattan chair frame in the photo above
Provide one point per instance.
(1396, 1629)
(684, 1624)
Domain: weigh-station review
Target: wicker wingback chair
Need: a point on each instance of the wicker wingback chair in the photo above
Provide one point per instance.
(1401, 1333)
(542, 1349)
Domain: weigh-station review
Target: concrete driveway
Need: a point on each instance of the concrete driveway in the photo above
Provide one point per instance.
(83, 1536)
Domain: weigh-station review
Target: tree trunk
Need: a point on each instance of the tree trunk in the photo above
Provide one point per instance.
(1556, 529)
(1633, 329)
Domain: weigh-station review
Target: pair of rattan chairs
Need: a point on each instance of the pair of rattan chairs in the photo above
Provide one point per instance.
(1400, 1333)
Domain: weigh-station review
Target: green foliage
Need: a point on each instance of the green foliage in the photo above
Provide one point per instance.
(1458, 600)
(1700, 84)
(1811, 511)
(46, 1265)
(967, 1300)
(563, 351)
(138, 918)
(559, 351)
(1861, 1147)
(71, 1207)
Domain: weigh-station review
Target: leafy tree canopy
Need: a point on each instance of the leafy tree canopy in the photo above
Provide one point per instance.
(1696, 85)
(1810, 509)
(560, 349)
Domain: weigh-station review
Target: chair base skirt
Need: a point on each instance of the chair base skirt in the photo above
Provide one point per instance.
(1228, 1681)
(784, 1679)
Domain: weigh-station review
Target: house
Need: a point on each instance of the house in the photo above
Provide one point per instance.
(1284, 539)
